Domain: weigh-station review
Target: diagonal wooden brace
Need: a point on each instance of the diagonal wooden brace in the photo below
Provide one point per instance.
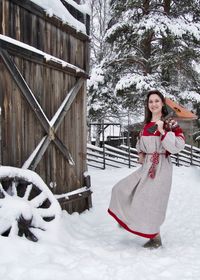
(25, 90)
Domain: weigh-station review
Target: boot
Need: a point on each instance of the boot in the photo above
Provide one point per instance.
(153, 243)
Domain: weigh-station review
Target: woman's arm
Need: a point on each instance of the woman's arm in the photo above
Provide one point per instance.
(141, 157)
(141, 154)
(173, 141)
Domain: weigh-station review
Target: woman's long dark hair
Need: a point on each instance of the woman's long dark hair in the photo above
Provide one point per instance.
(148, 114)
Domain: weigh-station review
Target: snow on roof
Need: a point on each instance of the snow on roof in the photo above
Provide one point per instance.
(56, 8)
(83, 8)
(47, 56)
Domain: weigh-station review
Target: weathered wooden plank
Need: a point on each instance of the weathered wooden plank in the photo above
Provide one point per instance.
(17, 23)
(2, 80)
(86, 57)
(38, 58)
(40, 27)
(1, 16)
(84, 129)
(37, 10)
(74, 197)
(26, 91)
(5, 17)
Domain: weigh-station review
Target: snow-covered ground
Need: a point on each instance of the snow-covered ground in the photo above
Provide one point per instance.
(91, 246)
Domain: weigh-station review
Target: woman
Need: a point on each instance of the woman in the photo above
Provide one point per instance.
(139, 201)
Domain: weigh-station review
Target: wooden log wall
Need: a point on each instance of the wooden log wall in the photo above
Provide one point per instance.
(21, 130)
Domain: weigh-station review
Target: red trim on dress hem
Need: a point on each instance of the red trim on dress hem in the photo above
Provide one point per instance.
(130, 230)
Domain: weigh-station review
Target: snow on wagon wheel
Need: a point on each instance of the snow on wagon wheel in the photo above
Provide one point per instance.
(26, 203)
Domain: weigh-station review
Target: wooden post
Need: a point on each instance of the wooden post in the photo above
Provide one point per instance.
(177, 159)
(191, 132)
(0, 139)
(128, 141)
(87, 183)
(87, 24)
(103, 145)
(191, 158)
(89, 133)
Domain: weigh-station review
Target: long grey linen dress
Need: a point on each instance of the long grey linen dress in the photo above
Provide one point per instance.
(139, 201)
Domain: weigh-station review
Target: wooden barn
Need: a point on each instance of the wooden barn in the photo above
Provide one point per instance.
(43, 74)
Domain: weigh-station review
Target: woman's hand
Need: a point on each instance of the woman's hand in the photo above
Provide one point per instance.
(170, 124)
(141, 157)
(160, 125)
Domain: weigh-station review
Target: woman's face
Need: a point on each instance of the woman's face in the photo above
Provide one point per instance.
(155, 104)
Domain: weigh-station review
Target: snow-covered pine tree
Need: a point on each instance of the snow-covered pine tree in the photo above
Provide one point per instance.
(100, 97)
(102, 102)
(153, 44)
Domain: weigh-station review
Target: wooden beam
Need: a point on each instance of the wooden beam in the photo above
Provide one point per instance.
(36, 159)
(62, 111)
(64, 150)
(26, 91)
(78, 196)
(16, 50)
(0, 132)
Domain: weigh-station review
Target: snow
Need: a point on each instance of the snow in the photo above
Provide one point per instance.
(56, 8)
(147, 82)
(66, 195)
(177, 26)
(91, 245)
(191, 95)
(97, 77)
(161, 24)
(84, 8)
(32, 177)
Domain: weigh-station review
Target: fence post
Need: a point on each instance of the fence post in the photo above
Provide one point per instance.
(103, 145)
(0, 140)
(128, 140)
(177, 160)
(191, 159)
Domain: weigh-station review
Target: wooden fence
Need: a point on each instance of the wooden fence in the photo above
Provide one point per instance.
(125, 156)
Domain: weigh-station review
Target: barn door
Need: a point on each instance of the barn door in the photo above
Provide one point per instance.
(50, 126)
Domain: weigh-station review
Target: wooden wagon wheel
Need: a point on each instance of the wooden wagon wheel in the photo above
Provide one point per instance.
(26, 203)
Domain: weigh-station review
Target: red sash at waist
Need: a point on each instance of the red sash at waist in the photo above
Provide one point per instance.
(155, 160)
